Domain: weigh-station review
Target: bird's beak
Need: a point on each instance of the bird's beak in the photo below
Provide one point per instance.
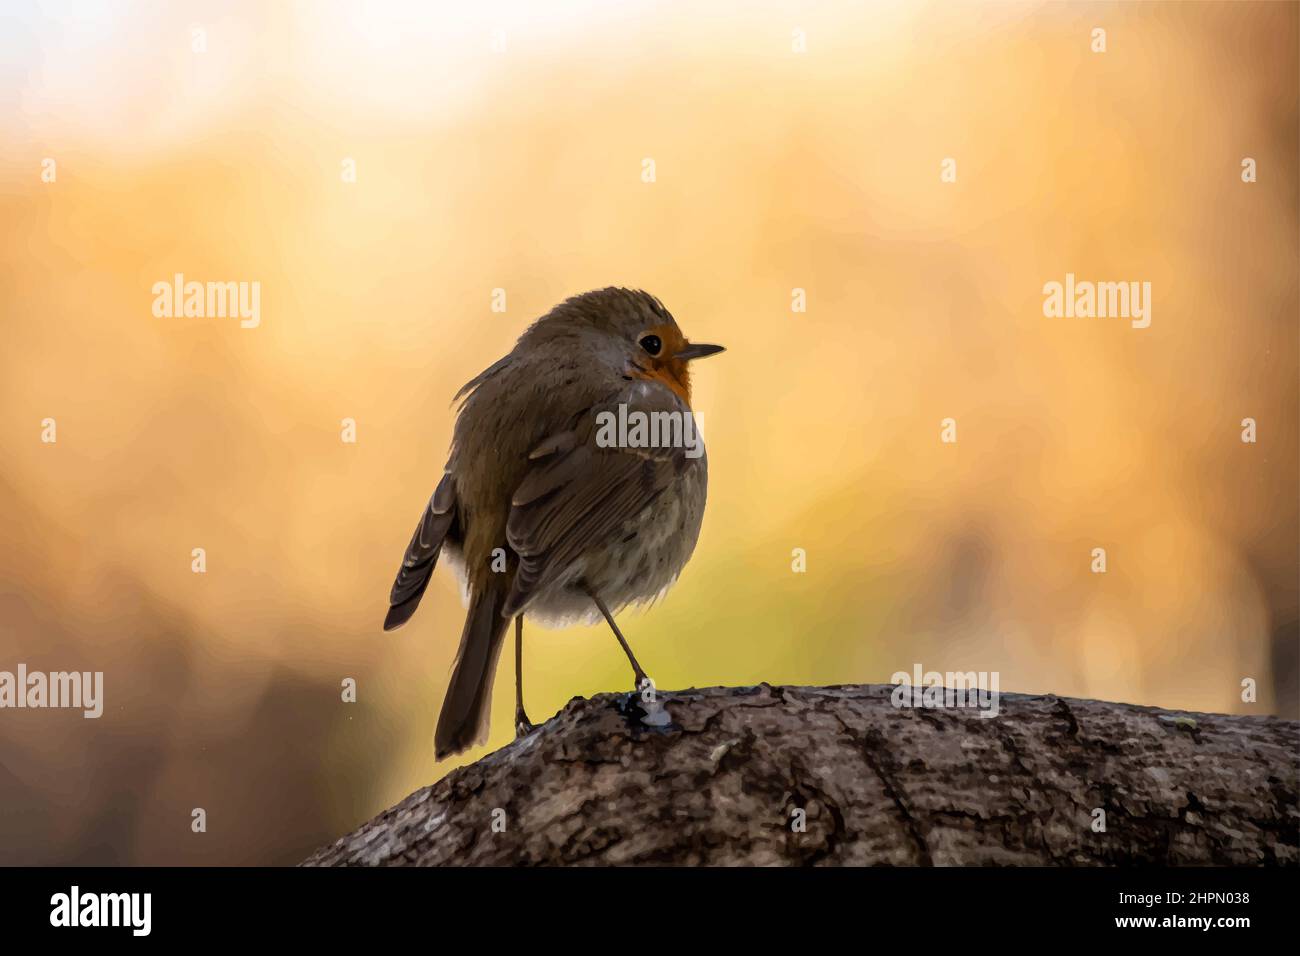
(698, 351)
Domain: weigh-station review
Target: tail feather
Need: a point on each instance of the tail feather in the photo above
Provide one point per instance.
(465, 711)
(421, 555)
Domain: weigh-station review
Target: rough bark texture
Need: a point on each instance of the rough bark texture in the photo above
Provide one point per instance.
(720, 784)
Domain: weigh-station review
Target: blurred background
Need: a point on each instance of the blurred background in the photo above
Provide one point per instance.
(501, 145)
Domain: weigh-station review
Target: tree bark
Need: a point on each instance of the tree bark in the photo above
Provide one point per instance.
(839, 775)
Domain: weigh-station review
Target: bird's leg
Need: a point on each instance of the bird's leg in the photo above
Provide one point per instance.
(523, 725)
(640, 676)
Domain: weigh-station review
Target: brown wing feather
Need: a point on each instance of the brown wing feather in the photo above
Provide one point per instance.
(421, 555)
(577, 495)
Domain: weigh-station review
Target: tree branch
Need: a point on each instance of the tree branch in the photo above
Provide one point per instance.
(838, 775)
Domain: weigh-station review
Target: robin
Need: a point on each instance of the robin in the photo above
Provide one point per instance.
(544, 510)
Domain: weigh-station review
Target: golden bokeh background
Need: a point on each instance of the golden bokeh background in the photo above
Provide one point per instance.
(521, 168)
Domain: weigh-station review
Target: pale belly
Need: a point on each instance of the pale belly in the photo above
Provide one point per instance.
(637, 565)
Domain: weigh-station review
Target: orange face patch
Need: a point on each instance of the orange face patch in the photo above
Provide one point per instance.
(663, 368)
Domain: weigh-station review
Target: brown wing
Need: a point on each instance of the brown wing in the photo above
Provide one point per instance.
(421, 554)
(576, 494)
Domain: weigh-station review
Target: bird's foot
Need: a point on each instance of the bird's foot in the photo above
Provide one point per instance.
(523, 726)
(647, 701)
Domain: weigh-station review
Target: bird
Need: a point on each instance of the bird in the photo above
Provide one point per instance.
(546, 512)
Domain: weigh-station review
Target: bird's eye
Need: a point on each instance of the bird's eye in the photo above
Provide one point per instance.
(651, 344)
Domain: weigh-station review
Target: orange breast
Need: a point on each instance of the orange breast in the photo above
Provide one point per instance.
(678, 380)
